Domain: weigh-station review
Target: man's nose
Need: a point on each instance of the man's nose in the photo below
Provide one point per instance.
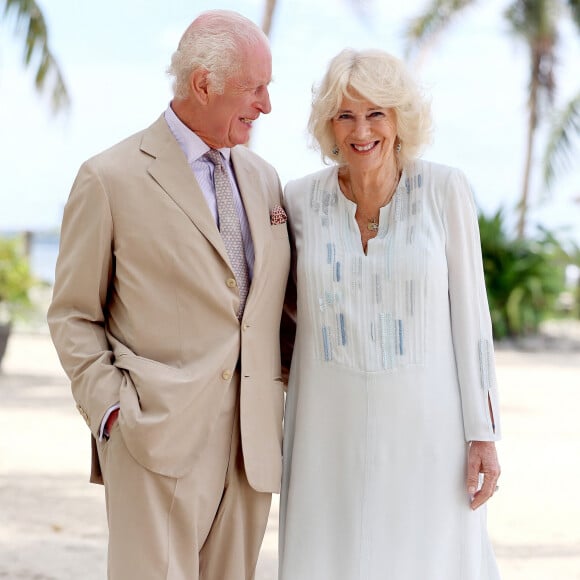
(265, 105)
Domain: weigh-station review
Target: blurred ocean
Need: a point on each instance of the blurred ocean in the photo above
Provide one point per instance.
(43, 254)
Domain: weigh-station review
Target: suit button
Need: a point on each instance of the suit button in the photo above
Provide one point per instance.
(226, 375)
(245, 327)
(231, 282)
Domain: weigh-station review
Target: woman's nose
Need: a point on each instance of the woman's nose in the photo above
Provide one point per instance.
(362, 127)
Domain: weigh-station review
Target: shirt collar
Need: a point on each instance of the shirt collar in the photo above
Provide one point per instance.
(191, 144)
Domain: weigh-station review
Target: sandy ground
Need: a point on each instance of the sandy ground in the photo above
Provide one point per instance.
(52, 521)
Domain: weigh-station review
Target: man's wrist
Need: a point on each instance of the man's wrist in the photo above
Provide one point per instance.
(110, 422)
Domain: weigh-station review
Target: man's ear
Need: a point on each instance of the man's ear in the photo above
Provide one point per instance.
(199, 85)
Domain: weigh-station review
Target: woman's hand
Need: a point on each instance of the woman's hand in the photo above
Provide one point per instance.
(482, 458)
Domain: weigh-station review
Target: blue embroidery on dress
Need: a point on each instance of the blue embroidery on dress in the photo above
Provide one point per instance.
(326, 342)
(378, 289)
(485, 364)
(386, 338)
(329, 253)
(410, 297)
(382, 329)
(342, 328)
(400, 329)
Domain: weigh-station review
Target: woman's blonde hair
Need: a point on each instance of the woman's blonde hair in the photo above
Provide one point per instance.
(377, 77)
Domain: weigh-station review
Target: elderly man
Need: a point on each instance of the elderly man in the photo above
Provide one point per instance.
(169, 287)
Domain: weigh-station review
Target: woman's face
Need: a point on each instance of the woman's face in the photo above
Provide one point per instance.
(365, 134)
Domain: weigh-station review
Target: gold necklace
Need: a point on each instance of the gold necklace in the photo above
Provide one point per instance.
(373, 222)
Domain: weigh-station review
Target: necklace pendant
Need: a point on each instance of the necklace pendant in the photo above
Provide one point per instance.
(372, 226)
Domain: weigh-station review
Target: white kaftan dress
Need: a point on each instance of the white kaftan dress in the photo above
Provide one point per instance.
(392, 375)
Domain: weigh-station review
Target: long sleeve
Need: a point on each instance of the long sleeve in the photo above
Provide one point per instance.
(76, 315)
(470, 318)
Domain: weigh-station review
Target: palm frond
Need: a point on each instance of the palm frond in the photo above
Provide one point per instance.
(574, 6)
(533, 19)
(48, 76)
(563, 137)
(536, 23)
(424, 28)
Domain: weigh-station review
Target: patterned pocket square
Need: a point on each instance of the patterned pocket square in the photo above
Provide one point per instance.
(278, 215)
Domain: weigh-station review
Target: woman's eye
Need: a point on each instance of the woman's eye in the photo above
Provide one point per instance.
(376, 114)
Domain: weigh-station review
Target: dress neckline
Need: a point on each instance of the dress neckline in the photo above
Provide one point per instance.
(383, 211)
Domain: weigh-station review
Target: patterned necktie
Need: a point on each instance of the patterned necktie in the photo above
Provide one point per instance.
(229, 225)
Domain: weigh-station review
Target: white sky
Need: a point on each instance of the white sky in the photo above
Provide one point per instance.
(114, 54)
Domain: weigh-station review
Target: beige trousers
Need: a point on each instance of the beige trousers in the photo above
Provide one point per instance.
(208, 525)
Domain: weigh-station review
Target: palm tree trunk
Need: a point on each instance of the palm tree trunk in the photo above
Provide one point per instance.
(532, 125)
(523, 205)
(267, 17)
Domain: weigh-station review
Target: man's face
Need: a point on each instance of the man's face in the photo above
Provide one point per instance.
(245, 97)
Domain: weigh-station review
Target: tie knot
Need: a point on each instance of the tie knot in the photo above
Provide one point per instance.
(215, 157)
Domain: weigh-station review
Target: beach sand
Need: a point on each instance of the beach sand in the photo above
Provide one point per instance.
(53, 524)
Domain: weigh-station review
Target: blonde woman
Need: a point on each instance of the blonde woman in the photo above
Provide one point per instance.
(392, 409)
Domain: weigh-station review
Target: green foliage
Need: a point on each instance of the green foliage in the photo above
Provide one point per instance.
(524, 277)
(16, 279)
(574, 257)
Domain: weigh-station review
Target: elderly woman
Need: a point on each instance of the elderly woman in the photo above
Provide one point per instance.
(392, 408)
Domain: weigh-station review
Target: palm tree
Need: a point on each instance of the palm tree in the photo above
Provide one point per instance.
(48, 76)
(361, 6)
(560, 142)
(269, 10)
(536, 22)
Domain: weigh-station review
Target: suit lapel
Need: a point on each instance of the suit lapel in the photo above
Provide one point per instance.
(170, 170)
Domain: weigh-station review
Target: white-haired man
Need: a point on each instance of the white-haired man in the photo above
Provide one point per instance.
(166, 308)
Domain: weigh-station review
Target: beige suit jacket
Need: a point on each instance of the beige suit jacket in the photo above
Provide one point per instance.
(144, 307)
